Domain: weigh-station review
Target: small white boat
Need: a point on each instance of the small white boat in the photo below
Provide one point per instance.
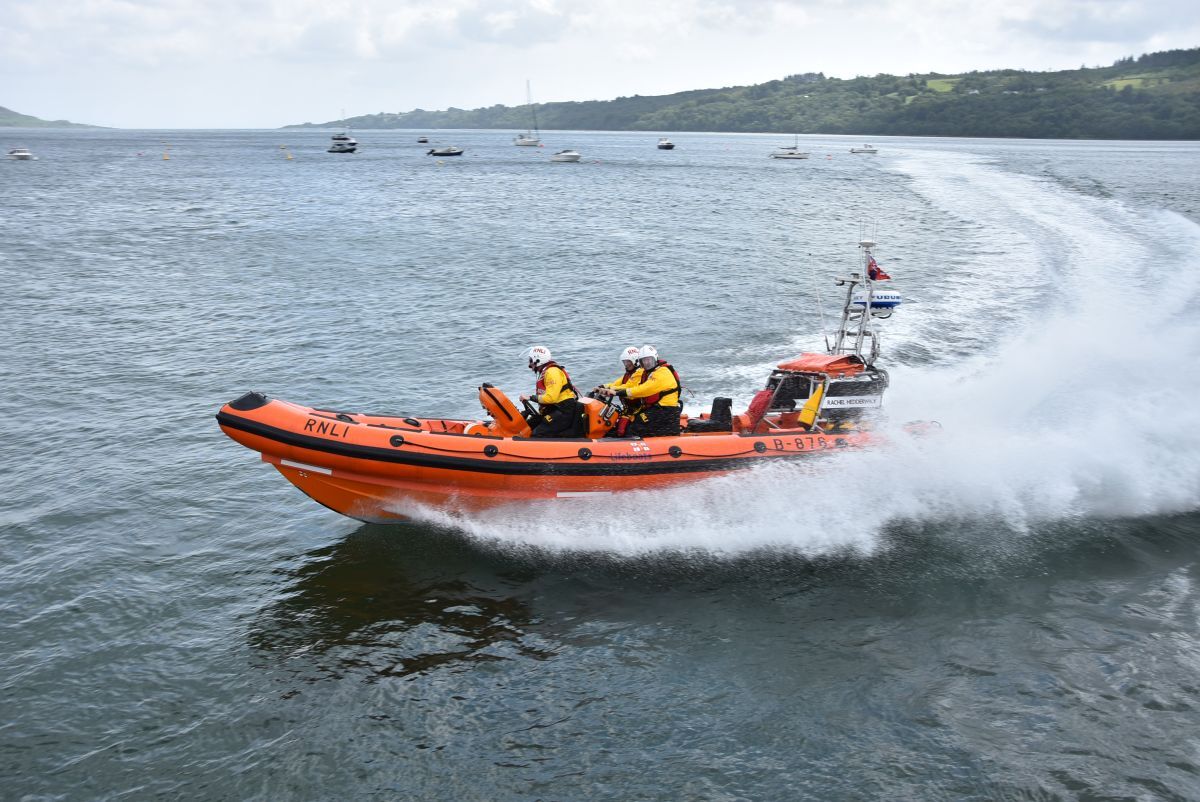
(666, 144)
(423, 140)
(342, 143)
(21, 154)
(791, 151)
(566, 156)
(447, 151)
(865, 149)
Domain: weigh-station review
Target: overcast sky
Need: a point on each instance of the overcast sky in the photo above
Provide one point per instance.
(250, 64)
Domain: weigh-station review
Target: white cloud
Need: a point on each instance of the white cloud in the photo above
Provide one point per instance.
(270, 63)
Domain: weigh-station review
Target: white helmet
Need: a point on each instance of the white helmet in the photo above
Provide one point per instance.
(648, 351)
(631, 354)
(538, 355)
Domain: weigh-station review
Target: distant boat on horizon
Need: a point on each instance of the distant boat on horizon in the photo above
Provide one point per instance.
(666, 144)
(790, 151)
(532, 137)
(343, 142)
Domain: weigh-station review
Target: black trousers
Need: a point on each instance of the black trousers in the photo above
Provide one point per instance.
(655, 422)
(564, 420)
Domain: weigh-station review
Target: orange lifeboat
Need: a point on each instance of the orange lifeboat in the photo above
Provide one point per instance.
(374, 467)
(371, 467)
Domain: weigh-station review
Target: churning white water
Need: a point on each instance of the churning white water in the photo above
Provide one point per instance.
(1076, 398)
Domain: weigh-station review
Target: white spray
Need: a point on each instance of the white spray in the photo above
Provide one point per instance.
(1086, 409)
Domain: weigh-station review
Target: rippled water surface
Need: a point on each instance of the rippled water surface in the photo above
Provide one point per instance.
(1008, 611)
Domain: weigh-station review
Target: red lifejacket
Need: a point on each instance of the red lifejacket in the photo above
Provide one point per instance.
(758, 406)
(541, 378)
(652, 400)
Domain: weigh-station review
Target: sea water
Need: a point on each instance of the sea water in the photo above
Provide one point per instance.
(1004, 610)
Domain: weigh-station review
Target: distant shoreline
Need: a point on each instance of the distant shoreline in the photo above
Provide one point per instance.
(1154, 97)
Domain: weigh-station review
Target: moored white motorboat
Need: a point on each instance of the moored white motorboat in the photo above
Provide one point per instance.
(566, 156)
(666, 144)
(21, 154)
(865, 149)
(342, 143)
(446, 151)
(422, 140)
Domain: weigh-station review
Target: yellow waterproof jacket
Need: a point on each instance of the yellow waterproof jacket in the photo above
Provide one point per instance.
(619, 382)
(660, 381)
(557, 390)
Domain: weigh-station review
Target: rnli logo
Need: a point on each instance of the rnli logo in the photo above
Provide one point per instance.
(327, 428)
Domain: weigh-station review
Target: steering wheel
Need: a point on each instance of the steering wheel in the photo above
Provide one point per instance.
(529, 408)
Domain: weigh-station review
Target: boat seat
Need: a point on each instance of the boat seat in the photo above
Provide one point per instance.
(719, 420)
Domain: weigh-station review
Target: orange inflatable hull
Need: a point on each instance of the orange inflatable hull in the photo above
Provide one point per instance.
(373, 467)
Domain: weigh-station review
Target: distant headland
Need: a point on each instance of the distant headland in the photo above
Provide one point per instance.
(12, 119)
(1154, 96)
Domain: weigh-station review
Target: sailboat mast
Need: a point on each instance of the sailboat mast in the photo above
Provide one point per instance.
(532, 109)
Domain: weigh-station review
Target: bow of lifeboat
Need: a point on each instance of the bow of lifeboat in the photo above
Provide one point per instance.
(373, 467)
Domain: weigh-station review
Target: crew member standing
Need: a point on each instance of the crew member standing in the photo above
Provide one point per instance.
(654, 395)
(560, 413)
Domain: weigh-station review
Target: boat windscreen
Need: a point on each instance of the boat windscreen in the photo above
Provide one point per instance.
(790, 388)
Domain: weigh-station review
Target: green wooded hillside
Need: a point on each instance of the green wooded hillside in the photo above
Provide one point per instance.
(12, 119)
(1155, 96)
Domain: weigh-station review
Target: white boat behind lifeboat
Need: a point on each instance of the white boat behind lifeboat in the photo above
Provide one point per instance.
(566, 156)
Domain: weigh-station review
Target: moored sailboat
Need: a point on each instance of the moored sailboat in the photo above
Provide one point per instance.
(531, 137)
(790, 151)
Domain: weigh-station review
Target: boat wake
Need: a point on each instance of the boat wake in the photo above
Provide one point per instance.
(1076, 400)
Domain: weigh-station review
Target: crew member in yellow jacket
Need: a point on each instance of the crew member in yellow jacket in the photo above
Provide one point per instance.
(631, 361)
(560, 413)
(652, 398)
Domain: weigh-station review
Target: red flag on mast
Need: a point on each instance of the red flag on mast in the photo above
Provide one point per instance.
(874, 271)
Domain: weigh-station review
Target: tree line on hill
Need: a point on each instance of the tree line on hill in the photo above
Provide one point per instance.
(1154, 96)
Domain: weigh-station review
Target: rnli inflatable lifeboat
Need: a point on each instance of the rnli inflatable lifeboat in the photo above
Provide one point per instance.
(373, 467)
(369, 466)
